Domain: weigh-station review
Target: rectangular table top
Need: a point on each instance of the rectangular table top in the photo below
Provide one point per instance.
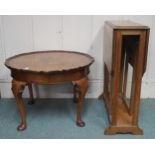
(125, 24)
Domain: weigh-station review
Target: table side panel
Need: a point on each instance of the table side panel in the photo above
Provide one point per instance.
(146, 50)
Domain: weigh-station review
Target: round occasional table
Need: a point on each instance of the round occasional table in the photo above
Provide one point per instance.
(47, 67)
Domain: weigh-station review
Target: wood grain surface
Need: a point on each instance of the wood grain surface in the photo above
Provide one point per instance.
(48, 61)
(125, 24)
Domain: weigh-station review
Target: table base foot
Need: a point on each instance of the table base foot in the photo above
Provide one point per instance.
(123, 130)
(21, 127)
(80, 123)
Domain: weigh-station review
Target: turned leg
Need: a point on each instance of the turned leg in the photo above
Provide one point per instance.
(31, 101)
(82, 86)
(17, 89)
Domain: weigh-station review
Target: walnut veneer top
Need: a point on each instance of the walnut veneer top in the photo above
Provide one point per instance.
(49, 61)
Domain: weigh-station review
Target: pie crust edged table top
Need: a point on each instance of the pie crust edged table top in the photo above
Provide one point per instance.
(48, 67)
(49, 61)
(27, 66)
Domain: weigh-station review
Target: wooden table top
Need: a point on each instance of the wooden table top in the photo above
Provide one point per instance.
(49, 61)
(125, 24)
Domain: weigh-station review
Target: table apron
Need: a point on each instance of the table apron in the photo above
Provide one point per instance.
(47, 78)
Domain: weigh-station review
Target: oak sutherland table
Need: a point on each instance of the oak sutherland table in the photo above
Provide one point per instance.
(126, 46)
(47, 67)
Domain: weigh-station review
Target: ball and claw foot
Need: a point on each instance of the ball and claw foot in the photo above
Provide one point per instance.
(80, 123)
(21, 127)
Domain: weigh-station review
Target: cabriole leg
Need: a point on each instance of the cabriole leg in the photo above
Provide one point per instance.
(31, 101)
(82, 86)
(17, 89)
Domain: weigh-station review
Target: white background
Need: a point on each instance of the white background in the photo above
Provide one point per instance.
(82, 33)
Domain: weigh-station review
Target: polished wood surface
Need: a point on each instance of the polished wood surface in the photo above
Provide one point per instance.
(48, 67)
(125, 43)
(125, 24)
(49, 61)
